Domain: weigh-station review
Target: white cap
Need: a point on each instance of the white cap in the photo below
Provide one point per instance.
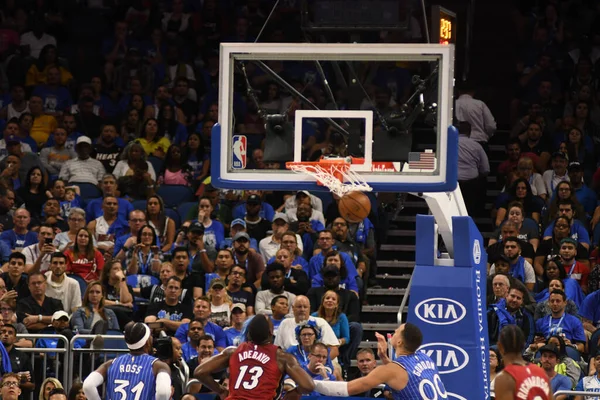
(59, 315)
(83, 139)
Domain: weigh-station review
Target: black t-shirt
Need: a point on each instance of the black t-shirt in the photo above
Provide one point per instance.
(21, 287)
(30, 306)
(550, 249)
(243, 297)
(108, 156)
(112, 295)
(217, 376)
(258, 230)
(177, 312)
(188, 107)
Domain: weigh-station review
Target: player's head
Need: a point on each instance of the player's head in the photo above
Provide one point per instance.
(138, 337)
(511, 340)
(407, 337)
(260, 330)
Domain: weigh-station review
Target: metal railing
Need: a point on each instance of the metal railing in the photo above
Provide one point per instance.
(104, 353)
(404, 300)
(45, 353)
(576, 393)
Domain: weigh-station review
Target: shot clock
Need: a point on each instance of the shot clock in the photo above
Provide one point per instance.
(443, 25)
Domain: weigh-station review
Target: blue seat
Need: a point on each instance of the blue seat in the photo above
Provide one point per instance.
(141, 281)
(157, 164)
(139, 205)
(184, 209)
(174, 216)
(88, 190)
(173, 195)
(81, 281)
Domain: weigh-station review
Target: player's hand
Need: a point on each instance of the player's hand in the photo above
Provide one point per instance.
(382, 348)
(223, 395)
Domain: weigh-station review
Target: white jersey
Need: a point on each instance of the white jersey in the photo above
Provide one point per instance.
(104, 239)
(590, 384)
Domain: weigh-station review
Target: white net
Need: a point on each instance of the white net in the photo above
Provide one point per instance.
(337, 177)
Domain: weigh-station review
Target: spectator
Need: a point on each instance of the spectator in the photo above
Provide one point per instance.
(43, 124)
(220, 303)
(14, 278)
(476, 113)
(108, 226)
(577, 229)
(550, 248)
(175, 170)
(145, 257)
(18, 106)
(152, 140)
(36, 75)
(37, 255)
(270, 244)
(528, 230)
(560, 322)
(234, 332)
(36, 310)
(573, 268)
(170, 313)
(23, 162)
(521, 191)
(11, 386)
(510, 311)
(108, 147)
(295, 279)
(276, 277)
(7, 202)
(518, 267)
(36, 39)
(19, 237)
(257, 225)
(20, 361)
(108, 185)
(223, 264)
(473, 165)
(11, 133)
(83, 169)
(131, 126)
(239, 225)
(279, 311)
(84, 259)
(500, 287)
(47, 386)
(133, 66)
(93, 316)
(260, 209)
(235, 289)
(202, 313)
(555, 279)
(197, 158)
(365, 360)
(173, 130)
(496, 246)
(584, 194)
(61, 287)
(8, 308)
(252, 261)
(132, 153)
(549, 360)
(349, 278)
(513, 154)
(195, 332)
(76, 221)
(564, 191)
(56, 98)
(54, 157)
(349, 302)
(139, 185)
(164, 225)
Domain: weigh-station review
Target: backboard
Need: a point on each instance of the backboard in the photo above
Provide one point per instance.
(389, 106)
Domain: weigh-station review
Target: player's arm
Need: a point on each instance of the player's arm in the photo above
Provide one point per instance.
(383, 374)
(163, 380)
(215, 363)
(95, 379)
(304, 383)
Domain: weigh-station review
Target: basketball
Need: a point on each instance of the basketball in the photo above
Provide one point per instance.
(354, 207)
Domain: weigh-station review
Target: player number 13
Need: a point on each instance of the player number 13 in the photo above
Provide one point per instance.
(254, 374)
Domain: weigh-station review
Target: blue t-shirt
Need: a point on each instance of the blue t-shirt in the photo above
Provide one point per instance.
(58, 99)
(588, 199)
(231, 336)
(578, 232)
(568, 325)
(560, 382)
(298, 260)
(341, 328)
(266, 211)
(197, 165)
(14, 240)
(590, 308)
(211, 329)
(189, 351)
(316, 263)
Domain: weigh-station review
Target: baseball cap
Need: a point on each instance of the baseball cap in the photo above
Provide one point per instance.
(306, 192)
(83, 139)
(281, 216)
(240, 235)
(60, 314)
(217, 282)
(238, 221)
(559, 154)
(330, 270)
(12, 139)
(238, 306)
(504, 258)
(569, 240)
(253, 199)
(549, 348)
(197, 227)
(575, 165)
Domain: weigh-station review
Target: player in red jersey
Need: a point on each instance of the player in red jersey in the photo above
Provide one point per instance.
(256, 367)
(519, 380)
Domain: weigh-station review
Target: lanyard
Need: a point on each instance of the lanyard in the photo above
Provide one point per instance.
(238, 263)
(572, 268)
(144, 265)
(289, 274)
(302, 353)
(555, 331)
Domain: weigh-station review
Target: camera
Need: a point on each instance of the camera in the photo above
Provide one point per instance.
(163, 348)
(303, 219)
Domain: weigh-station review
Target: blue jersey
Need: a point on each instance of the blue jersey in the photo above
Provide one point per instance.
(131, 377)
(424, 380)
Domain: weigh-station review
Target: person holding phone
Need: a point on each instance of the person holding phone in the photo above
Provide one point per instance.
(145, 257)
(37, 256)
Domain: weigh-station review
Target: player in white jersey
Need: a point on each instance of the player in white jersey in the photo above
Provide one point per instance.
(411, 375)
(136, 375)
(591, 383)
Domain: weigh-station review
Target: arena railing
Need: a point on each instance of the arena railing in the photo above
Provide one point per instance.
(576, 393)
(45, 353)
(404, 300)
(105, 353)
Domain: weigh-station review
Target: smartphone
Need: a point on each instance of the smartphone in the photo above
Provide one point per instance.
(48, 241)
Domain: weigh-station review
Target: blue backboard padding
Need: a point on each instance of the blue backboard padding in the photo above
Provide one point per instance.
(271, 183)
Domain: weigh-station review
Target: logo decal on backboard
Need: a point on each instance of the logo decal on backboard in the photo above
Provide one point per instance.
(440, 311)
(239, 152)
(448, 357)
(476, 252)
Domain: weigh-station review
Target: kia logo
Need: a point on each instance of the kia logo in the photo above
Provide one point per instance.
(455, 396)
(448, 357)
(440, 311)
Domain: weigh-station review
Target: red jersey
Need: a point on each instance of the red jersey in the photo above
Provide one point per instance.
(531, 382)
(254, 373)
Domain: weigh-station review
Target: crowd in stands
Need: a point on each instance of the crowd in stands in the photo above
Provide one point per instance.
(107, 214)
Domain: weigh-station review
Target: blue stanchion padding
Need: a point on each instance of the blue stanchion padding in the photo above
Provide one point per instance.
(448, 304)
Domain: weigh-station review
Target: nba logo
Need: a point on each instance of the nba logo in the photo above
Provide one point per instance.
(239, 152)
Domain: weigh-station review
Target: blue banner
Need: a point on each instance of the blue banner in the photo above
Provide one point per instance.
(448, 304)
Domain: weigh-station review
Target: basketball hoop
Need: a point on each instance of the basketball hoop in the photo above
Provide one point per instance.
(333, 173)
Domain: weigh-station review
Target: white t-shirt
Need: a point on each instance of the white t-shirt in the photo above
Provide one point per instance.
(538, 187)
(286, 334)
(68, 291)
(220, 315)
(32, 253)
(551, 180)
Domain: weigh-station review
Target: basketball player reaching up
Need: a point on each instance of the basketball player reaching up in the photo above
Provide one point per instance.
(411, 375)
(519, 379)
(256, 367)
(136, 375)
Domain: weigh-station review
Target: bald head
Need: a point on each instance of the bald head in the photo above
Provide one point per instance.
(500, 285)
(301, 308)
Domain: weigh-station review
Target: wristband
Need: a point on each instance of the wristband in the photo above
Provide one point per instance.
(117, 302)
(39, 317)
(202, 251)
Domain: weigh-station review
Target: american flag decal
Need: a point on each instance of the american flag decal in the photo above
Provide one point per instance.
(423, 160)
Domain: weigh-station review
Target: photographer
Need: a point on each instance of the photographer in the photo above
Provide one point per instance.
(168, 350)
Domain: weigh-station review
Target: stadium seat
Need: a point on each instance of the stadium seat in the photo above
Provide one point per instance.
(184, 209)
(173, 195)
(81, 281)
(174, 216)
(157, 164)
(139, 205)
(88, 190)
